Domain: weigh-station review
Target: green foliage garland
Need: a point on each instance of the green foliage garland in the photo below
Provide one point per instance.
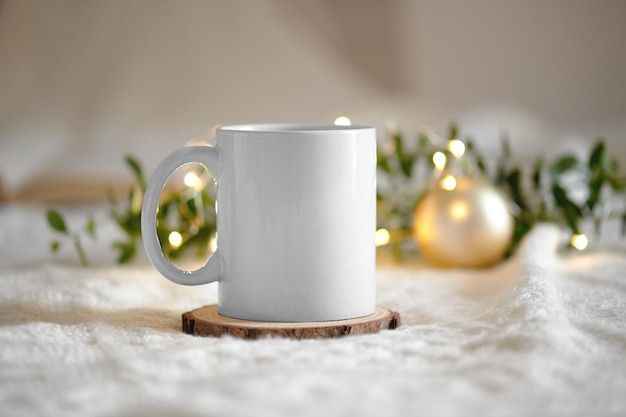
(404, 170)
(188, 211)
(539, 195)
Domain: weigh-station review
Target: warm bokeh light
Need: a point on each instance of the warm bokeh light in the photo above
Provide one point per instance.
(342, 121)
(579, 242)
(456, 147)
(382, 237)
(175, 239)
(448, 183)
(439, 160)
(192, 180)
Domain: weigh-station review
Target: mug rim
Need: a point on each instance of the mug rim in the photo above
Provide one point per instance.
(278, 128)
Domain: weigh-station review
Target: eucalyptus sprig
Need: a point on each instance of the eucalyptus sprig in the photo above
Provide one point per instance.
(405, 168)
(189, 212)
(128, 216)
(549, 199)
(58, 224)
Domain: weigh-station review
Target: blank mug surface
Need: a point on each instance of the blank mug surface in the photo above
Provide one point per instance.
(296, 220)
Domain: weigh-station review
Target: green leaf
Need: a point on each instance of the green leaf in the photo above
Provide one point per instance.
(164, 208)
(126, 256)
(568, 208)
(480, 161)
(119, 219)
(55, 246)
(595, 188)
(406, 161)
(618, 184)
(514, 181)
(383, 162)
(137, 170)
(133, 225)
(519, 231)
(537, 174)
(191, 206)
(127, 251)
(80, 251)
(500, 174)
(55, 220)
(453, 132)
(609, 165)
(564, 164)
(562, 200)
(481, 165)
(200, 239)
(597, 155)
(91, 227)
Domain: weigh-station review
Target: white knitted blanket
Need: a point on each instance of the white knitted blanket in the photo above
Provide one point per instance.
(541, 334)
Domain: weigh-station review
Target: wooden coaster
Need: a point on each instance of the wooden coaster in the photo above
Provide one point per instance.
(206, 321)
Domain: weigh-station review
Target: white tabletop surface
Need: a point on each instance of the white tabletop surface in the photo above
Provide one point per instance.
(541, 334)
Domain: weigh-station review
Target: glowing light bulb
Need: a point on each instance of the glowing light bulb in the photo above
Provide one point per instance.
(439, 160)
(448, 183)
(342, 121)
(192, 180)
(579, 242)
(456, 147)
(382, 237)
(175, 239)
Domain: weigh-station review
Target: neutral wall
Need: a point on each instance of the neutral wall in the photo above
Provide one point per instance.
(83, 82)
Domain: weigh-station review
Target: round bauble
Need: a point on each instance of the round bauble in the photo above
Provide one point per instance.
(463, 222)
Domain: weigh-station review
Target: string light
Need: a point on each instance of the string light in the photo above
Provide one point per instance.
(448, 183)
(439, 160)
(192, 180)
(175, 239)
(382, 237)
(456, 147)
(579, 241)
(342, 121)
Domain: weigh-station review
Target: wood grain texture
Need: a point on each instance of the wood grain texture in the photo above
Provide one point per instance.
(206, 321)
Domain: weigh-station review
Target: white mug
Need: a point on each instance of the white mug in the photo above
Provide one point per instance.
(296, 218)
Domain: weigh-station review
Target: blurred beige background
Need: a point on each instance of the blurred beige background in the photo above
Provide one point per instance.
(84, 82)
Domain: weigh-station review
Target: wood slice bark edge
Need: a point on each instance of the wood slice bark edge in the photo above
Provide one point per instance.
(206, 321)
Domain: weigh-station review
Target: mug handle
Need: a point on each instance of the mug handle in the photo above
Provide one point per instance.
(208, 156)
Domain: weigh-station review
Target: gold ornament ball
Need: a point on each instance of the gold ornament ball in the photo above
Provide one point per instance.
(463, 222)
